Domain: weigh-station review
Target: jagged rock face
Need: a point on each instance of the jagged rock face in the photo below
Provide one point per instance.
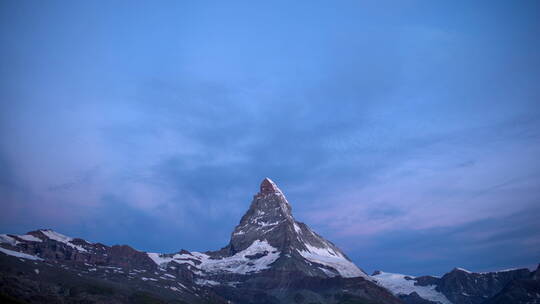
(270, 218)
(461, 286)
(519, 291)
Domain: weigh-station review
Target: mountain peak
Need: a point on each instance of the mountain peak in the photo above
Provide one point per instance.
(268, 186)
(269, 219)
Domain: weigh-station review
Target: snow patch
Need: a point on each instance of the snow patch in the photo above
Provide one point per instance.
(463, 269)
(4, 238)
(53, 235)
(148, 279)
(328, 272)
(163, 260)
(297, 228)
(498, 271)
(20, 254)
(331, 258)
(30, 238)
(507, 270)
(242, 262)
(397, 284)
(206, 282)
(158, 259)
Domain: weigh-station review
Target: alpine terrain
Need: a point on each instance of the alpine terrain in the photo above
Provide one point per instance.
(460, 286)
(271, 258)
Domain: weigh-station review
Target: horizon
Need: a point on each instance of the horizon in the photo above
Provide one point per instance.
(407, 134)
(530, 267)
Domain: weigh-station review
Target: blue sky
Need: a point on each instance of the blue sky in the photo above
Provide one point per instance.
(407, 132)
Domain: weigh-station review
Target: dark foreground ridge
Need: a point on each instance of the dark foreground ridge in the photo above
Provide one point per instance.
(270, 258)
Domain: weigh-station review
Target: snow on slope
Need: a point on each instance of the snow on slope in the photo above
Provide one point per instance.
(29, 237)
(463, 269)
(4, 238)
(398, 284)
(20, 254)
(329, 257)
(53, 235)
(258, 256)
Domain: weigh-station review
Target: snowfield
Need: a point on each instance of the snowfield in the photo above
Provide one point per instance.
(398, 284)
(241, 263)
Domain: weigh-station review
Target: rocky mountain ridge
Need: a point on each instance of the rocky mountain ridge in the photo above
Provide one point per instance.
(270, 258)
(461, 286)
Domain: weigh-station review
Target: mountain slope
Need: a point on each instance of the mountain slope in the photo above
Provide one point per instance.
(44, 263)
(520, 291)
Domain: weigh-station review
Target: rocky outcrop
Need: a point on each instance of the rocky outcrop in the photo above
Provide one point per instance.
(519, 291)
(462, 286)
(415, 298)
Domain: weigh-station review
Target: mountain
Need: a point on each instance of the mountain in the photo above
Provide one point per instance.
(460, 286)
(44, 266)
(520, 291)
(270, 258)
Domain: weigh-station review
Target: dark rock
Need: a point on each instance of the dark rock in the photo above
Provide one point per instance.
(414, 298)
(520, 291)
(536, 273)
(474, 288)
(427, 280)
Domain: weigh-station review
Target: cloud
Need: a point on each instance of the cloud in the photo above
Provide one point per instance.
(424, 188)
(370, 120)
(485, 245)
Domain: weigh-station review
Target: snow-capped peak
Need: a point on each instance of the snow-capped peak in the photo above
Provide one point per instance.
(268, 186)
(53, 235)
(270, 217)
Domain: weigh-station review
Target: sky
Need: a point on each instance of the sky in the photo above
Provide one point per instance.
(406, 132)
